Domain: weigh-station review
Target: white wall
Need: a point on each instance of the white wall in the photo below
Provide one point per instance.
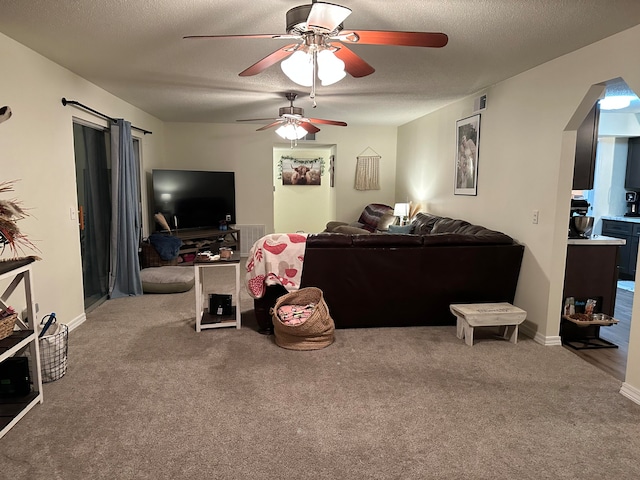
(525, 164)
(305, 208)
(36, 147)
(249, 153)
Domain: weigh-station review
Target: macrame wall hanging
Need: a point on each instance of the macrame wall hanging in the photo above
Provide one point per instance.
(368, 170)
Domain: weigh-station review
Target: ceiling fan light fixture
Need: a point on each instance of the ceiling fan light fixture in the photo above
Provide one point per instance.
(291, 131)
(299, 68)
(330, 68)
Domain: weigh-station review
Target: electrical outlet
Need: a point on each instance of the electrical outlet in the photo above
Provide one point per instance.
(534, 217)
(228, 218)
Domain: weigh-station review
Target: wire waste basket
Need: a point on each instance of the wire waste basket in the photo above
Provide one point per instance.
(54, 346)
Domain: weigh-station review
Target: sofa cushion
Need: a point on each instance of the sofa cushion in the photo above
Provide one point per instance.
(331, 226)
(448, 225)
(349, 230)
(328, 240)
(463, 239)
(401, 228)
(386, 240)
(423, 223)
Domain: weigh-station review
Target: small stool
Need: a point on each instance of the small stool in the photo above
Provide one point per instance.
(471, 315)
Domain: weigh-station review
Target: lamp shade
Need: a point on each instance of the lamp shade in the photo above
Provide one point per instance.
(401, 210)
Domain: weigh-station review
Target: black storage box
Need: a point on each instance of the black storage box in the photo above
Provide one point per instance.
(220, 304)
(15, 380)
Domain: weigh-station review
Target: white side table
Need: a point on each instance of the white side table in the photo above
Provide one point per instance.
(204, 318)
(473, 315)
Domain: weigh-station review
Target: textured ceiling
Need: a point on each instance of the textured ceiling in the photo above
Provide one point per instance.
(135, 50)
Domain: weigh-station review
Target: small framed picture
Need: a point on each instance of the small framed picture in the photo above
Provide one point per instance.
(466, 159)
(332, 170)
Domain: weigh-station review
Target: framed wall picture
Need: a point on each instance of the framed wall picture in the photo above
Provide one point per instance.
(301, 171)
(332, 170)
(466, 160)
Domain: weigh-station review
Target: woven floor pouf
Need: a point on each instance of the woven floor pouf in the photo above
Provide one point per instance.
(316, 332)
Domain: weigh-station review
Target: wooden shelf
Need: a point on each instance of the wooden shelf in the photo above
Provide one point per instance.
(12, 409)
(204, 319)
(203, 239)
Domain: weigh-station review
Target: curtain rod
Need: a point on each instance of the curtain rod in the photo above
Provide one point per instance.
(66, 102)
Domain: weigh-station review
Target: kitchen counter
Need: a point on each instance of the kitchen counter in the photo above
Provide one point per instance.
(621, 218)
(597, 240)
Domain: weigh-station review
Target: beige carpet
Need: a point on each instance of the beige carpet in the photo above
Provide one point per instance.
(146, 397)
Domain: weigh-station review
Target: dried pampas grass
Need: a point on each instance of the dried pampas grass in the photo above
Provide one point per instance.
(10, 212)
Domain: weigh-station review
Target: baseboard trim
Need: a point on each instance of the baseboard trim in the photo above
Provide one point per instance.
(76, 322)
(551, 341)
(632, 393)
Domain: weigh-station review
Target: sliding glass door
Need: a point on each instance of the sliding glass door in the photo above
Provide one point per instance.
(92, 146)
(93, 180)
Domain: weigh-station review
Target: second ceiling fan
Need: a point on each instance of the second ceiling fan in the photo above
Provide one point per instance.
(292, 123)
(321, 48)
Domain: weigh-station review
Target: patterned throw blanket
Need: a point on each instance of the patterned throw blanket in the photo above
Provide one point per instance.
(275, 259)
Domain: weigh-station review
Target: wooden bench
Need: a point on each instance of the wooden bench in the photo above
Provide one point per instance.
(473, 315)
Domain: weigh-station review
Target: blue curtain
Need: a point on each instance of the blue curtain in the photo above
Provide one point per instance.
(124, 276)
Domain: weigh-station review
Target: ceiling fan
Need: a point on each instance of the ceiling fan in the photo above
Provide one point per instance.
(321, 49)
(293, 124)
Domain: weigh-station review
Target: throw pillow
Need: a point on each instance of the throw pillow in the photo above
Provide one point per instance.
(401, 228)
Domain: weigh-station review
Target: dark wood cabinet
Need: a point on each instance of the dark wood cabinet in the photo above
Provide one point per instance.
(586, 143)
(628, 253)
(591, 272)
(632, 178)
(624, 230)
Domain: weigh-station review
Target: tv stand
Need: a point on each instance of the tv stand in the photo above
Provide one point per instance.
(202, 239)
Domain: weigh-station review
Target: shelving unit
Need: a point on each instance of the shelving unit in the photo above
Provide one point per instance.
(204, 318)
(202, 239)
(12, 409)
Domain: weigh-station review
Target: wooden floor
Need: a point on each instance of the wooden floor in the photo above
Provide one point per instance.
(613, 360)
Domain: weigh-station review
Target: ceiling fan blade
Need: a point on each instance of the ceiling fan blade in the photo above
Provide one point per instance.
(272, 124)
(266, 35)
(406, 39)
(327, 122)
(258, 120)
(326, 16)
(309, 127)
(354, 65)
(269, 60)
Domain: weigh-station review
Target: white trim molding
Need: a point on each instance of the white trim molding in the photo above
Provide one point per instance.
(76, 322)
(632, 393)
(551, 341)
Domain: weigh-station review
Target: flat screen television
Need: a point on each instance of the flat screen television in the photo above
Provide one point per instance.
(194, 199)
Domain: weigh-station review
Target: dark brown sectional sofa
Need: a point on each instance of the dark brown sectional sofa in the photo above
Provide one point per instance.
(388, 279)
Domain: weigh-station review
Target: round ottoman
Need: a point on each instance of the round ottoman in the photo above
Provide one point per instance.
(169, 279)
